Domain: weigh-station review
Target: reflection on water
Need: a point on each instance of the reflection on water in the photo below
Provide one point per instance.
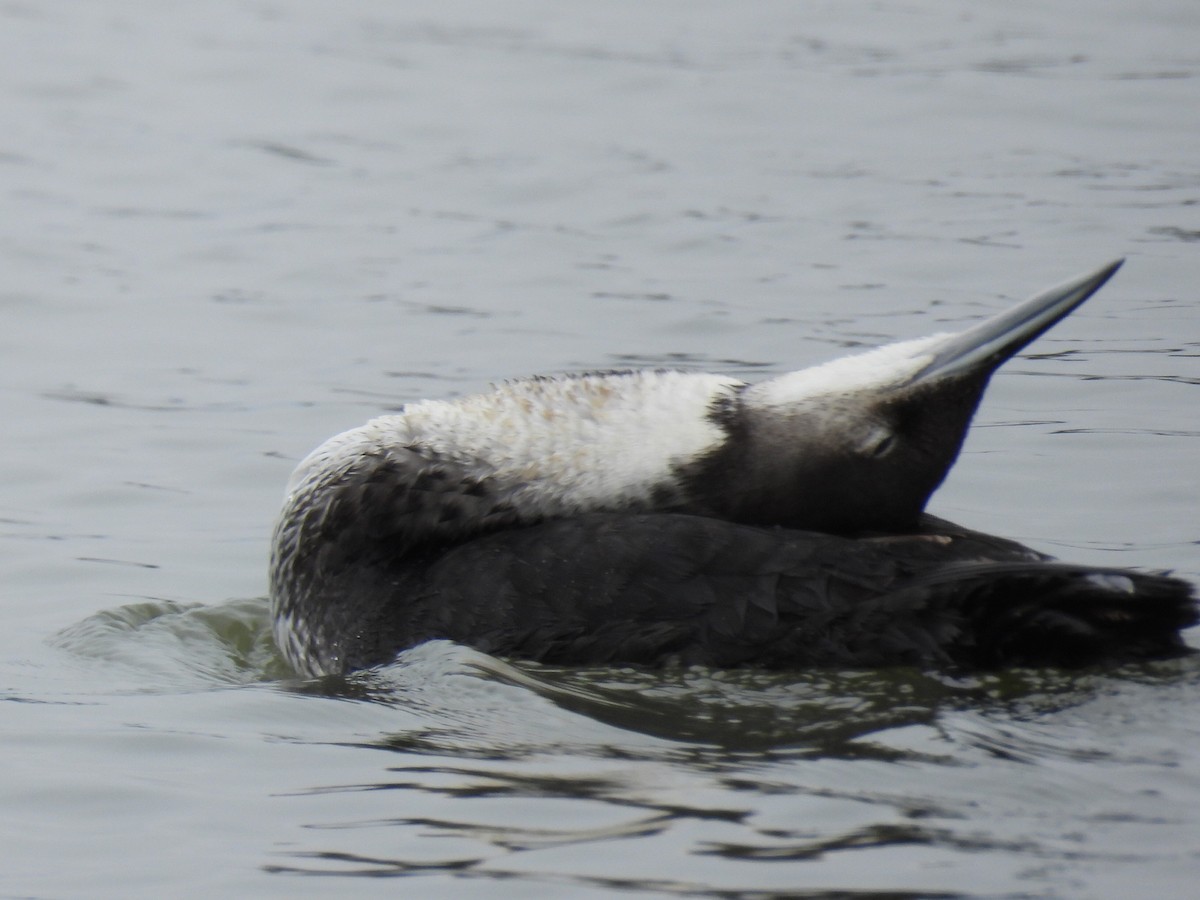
(822, 770)
(824, 712)
(492, 771)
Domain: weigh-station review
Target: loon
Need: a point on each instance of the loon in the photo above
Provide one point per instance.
(664, 517)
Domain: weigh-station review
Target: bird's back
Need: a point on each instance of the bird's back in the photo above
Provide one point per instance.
(661, 589)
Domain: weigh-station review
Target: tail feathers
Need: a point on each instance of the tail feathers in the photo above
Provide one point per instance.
(989, 615)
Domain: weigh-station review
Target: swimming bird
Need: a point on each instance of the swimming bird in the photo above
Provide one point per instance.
(657, 517)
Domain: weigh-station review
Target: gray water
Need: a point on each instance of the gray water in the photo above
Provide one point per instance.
(233, 228)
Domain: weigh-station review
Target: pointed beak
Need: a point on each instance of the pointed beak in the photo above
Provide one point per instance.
(981, 349)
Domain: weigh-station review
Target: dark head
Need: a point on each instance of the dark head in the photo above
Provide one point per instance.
(860, 443)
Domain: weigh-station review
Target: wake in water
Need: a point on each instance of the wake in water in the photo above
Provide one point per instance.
(444, 697)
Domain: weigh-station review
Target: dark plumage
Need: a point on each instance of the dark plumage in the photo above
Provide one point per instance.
(669, 588)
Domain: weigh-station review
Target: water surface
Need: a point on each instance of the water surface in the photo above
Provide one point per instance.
(236, 228)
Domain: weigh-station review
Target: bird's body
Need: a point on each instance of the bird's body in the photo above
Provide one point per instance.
(655, 516)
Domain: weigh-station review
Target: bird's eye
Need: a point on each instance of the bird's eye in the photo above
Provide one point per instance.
(878, 443)
(886, 446)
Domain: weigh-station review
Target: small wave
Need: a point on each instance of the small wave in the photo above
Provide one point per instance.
(169, 646)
